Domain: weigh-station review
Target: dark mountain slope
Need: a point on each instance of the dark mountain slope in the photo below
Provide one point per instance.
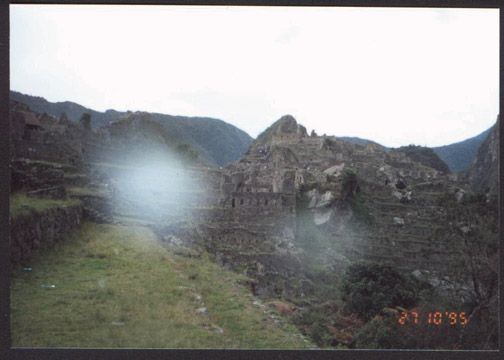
(483, 173)
(459, 155)
(73, 111)
(216, 141)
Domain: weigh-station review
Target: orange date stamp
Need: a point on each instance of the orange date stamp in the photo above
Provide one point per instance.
(436, 318)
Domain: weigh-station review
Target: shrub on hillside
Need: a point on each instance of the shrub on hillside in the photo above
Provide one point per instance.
(368, 288)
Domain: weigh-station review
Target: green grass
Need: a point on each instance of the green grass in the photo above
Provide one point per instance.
(21, 204)
(132, 221)
(105, 274)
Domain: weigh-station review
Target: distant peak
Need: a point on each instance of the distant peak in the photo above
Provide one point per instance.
(288, 125)
(287, 118)
(284, 129)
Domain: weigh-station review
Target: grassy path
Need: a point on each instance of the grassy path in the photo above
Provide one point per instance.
(116, 287)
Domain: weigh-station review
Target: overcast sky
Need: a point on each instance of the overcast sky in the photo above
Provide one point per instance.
(396, 76)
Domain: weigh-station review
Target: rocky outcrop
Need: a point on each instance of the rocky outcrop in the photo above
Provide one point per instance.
(483, 173)
(425, 156)
(335, 170)
(286, 128)
(318, 200)
(444, 285)
(35, 231)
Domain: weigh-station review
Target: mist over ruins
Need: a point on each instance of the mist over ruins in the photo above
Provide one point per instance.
(343, 242)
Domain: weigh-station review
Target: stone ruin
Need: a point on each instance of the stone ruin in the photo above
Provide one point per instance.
(248, 216)
(254, 200)
(44, 137)
(47, 155)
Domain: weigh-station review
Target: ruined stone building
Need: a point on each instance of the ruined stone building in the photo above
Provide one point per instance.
(42, 136)
(254, 200)
(247, 213)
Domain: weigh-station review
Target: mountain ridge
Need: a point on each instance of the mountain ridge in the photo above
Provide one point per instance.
(483, 172)
(458, 156)
(218, 144)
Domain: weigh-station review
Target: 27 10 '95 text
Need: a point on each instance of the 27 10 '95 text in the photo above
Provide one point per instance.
(436, 318)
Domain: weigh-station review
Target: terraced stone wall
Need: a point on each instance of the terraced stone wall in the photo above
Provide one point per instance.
(253, 228)
(35, 231)
(409, 234)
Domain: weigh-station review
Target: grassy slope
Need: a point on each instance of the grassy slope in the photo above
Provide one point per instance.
(21, 204)
(77, 190)
(106, 274)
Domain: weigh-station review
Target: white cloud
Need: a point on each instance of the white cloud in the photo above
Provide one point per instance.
(368, 72)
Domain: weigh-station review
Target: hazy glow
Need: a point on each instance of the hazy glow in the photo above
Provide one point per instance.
(154, 187)
(397, 76)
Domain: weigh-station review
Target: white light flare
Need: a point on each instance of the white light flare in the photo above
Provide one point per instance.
(157, 187)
